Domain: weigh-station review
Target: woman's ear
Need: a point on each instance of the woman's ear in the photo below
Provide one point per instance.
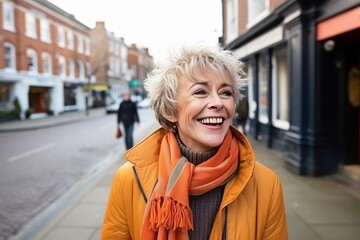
(171, 118)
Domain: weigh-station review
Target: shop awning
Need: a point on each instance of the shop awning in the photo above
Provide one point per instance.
(97, 87)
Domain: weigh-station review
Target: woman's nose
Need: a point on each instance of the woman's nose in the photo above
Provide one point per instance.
(215, 102)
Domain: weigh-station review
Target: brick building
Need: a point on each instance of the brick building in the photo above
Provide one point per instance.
(46, 57)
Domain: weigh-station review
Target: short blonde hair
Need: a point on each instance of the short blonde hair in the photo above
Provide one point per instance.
(162, 82)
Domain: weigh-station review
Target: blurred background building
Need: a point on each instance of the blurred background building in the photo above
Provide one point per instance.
(52, 63)
(303, 62)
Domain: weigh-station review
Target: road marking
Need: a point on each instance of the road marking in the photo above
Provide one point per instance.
(31, 152)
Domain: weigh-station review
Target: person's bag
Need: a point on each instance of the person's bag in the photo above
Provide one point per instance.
(118, 132)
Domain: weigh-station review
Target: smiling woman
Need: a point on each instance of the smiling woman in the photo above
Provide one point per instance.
(191, 178)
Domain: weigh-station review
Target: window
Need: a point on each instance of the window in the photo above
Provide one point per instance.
(257, 10)
(9, 55)
(80, 42)
(61, 37)
(30, 25)
(32, 60)
(81, 70)
(280, 82)
(251, 87)
(4, 94)
(61, 66)
(46, 61)
(8, 16)
(87, 46)
(70, 40)
(111, 46)
(263, 89)
(88, 69)
(45, 30)
(117, 65)
(231, 19)
(111, 65)
(71, 68)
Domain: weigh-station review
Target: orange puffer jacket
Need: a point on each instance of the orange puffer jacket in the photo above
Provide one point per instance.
(253, 199)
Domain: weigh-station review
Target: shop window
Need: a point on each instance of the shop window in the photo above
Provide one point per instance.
(263, 90)
(45, 30)
(4, 94)
(251, 88)
(280, 87)
(30, 25)
(69, 96)
(9, 56)
(8, 16)
(46, 61)
(32, 60)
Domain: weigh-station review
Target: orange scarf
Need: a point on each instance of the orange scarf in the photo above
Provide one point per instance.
(168, 215)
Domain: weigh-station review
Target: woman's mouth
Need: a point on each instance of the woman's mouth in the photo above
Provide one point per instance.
(211, 121)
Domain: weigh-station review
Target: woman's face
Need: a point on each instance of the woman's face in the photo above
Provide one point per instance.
(204, 111)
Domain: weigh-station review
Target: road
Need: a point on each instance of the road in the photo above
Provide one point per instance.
(37, 167)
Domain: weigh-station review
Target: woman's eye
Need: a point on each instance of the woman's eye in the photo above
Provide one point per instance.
(200, 92)
(227, 93)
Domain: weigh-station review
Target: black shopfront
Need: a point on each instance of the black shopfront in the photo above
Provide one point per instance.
(301, 71)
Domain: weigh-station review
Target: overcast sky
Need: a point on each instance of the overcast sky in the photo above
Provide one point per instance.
(157, 24)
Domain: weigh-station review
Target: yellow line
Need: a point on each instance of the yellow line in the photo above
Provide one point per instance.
(31, 152)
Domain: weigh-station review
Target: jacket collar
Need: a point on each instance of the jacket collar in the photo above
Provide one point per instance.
(146, 153)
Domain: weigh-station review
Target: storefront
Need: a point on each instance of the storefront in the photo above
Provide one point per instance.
(301, 61)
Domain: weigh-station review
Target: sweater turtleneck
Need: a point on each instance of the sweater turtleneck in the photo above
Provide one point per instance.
(204, 207)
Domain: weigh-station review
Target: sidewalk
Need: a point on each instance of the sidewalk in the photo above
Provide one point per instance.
(317, 208)
(64, 118)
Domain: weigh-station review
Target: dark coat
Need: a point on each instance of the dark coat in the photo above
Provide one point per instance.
(127, 113)
(242, 110)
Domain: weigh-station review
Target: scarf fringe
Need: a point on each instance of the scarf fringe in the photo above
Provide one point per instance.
(171, 214)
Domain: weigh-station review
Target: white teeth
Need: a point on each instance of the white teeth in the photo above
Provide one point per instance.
(211, 120)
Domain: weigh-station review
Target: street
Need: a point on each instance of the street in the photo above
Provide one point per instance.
(37, 167)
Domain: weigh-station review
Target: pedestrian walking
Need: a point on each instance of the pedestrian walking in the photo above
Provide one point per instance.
(127, 115)
(196, 177)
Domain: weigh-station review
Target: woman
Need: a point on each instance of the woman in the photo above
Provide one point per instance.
(127, 114)
(196, 177)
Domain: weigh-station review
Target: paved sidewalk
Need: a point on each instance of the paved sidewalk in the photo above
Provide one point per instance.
(317, 208)
(64, 118)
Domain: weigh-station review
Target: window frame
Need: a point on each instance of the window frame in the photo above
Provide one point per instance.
(255, 16)
(8, 16)
(61, 36)
(263, 89)
(12, 57)
(46, 63)
(32, 54)
(61, 66)
(45, 33)
(278, 101)
(30, 25)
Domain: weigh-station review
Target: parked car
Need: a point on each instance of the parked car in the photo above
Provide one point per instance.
(145, 103)
(113, 107)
